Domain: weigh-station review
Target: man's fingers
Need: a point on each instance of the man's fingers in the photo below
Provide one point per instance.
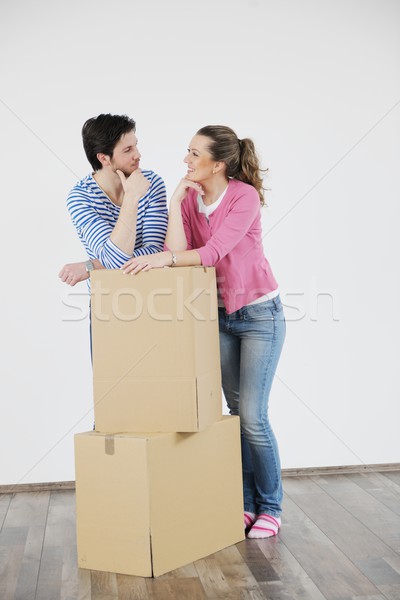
(67, 277)
(121, 176)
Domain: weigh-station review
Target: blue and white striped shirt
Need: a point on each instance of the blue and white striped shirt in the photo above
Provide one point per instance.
(95, 216)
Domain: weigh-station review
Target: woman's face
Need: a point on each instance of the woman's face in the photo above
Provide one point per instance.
(199, 160)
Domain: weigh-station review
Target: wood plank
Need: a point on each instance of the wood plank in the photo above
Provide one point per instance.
(394, 562)
(379, 519)
(50, 572)
(185, 571)
(104, 585)
(392, 592)
(254, 558)
(353, 538)
(29, 572)
(393, 485)
(188, 588)
(70, 582)
(237, 573)
(394, 476)
(374, 485)
(242, 583)
(379, 597)
(13, 538)
(293, 580)
(131, 588)
(4, 504)
(10, 562)
(229, 555)
(213, 580)
(69, 574)
(320, 558)
(27, 510)
(379, 572)
(26, 516)
(84, 584)
(58, 539)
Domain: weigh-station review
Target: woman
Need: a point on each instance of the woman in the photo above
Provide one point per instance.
(215, 220)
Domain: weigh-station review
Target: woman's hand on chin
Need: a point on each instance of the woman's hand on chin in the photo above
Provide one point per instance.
(183, 186)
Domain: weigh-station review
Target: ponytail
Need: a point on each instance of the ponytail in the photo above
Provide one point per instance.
(249, 170)
(240, 156)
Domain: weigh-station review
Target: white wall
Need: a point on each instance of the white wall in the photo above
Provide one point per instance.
(315, 83)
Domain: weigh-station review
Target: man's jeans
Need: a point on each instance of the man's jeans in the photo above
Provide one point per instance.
(251, 342)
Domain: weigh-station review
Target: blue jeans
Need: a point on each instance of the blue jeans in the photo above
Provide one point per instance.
(251, 341)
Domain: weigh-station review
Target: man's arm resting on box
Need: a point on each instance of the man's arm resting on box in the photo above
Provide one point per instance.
(153, 234)
(111, 244)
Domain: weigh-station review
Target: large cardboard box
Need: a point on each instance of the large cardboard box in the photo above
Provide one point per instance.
(156, 362)
(150, 503)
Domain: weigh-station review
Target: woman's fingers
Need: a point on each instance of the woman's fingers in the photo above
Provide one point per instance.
(193, 184)
(132, 267)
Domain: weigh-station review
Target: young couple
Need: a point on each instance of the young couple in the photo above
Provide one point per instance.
(214, 220)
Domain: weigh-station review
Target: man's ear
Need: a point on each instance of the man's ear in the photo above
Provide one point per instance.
(103, 159)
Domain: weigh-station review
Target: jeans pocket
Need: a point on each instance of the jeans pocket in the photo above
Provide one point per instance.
(260, 312)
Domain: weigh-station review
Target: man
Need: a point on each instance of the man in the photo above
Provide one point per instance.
(119, 211)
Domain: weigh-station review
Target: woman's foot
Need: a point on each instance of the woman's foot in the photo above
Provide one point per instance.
(249, 519)
(265, 526)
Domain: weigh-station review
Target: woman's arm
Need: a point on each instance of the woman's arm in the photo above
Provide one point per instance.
(176, 237)
(186, 258)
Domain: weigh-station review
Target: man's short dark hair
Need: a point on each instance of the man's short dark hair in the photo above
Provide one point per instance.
(102, 133)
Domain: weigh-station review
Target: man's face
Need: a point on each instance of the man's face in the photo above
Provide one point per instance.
(126, 156)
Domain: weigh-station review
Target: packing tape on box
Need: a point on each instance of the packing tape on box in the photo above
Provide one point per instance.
(109, 446)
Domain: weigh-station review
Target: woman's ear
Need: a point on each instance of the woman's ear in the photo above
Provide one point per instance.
(219, 167)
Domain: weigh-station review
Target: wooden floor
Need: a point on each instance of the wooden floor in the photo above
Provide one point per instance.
(340, 540)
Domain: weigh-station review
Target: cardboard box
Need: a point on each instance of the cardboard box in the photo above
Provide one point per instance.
(150, 503)
(156, 362)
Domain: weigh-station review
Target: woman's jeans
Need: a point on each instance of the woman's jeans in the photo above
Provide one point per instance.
(251, 341)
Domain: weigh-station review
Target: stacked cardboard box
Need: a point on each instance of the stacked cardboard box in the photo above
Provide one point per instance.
(158, 484)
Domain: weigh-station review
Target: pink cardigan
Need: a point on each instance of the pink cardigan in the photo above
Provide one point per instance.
(231, 241)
